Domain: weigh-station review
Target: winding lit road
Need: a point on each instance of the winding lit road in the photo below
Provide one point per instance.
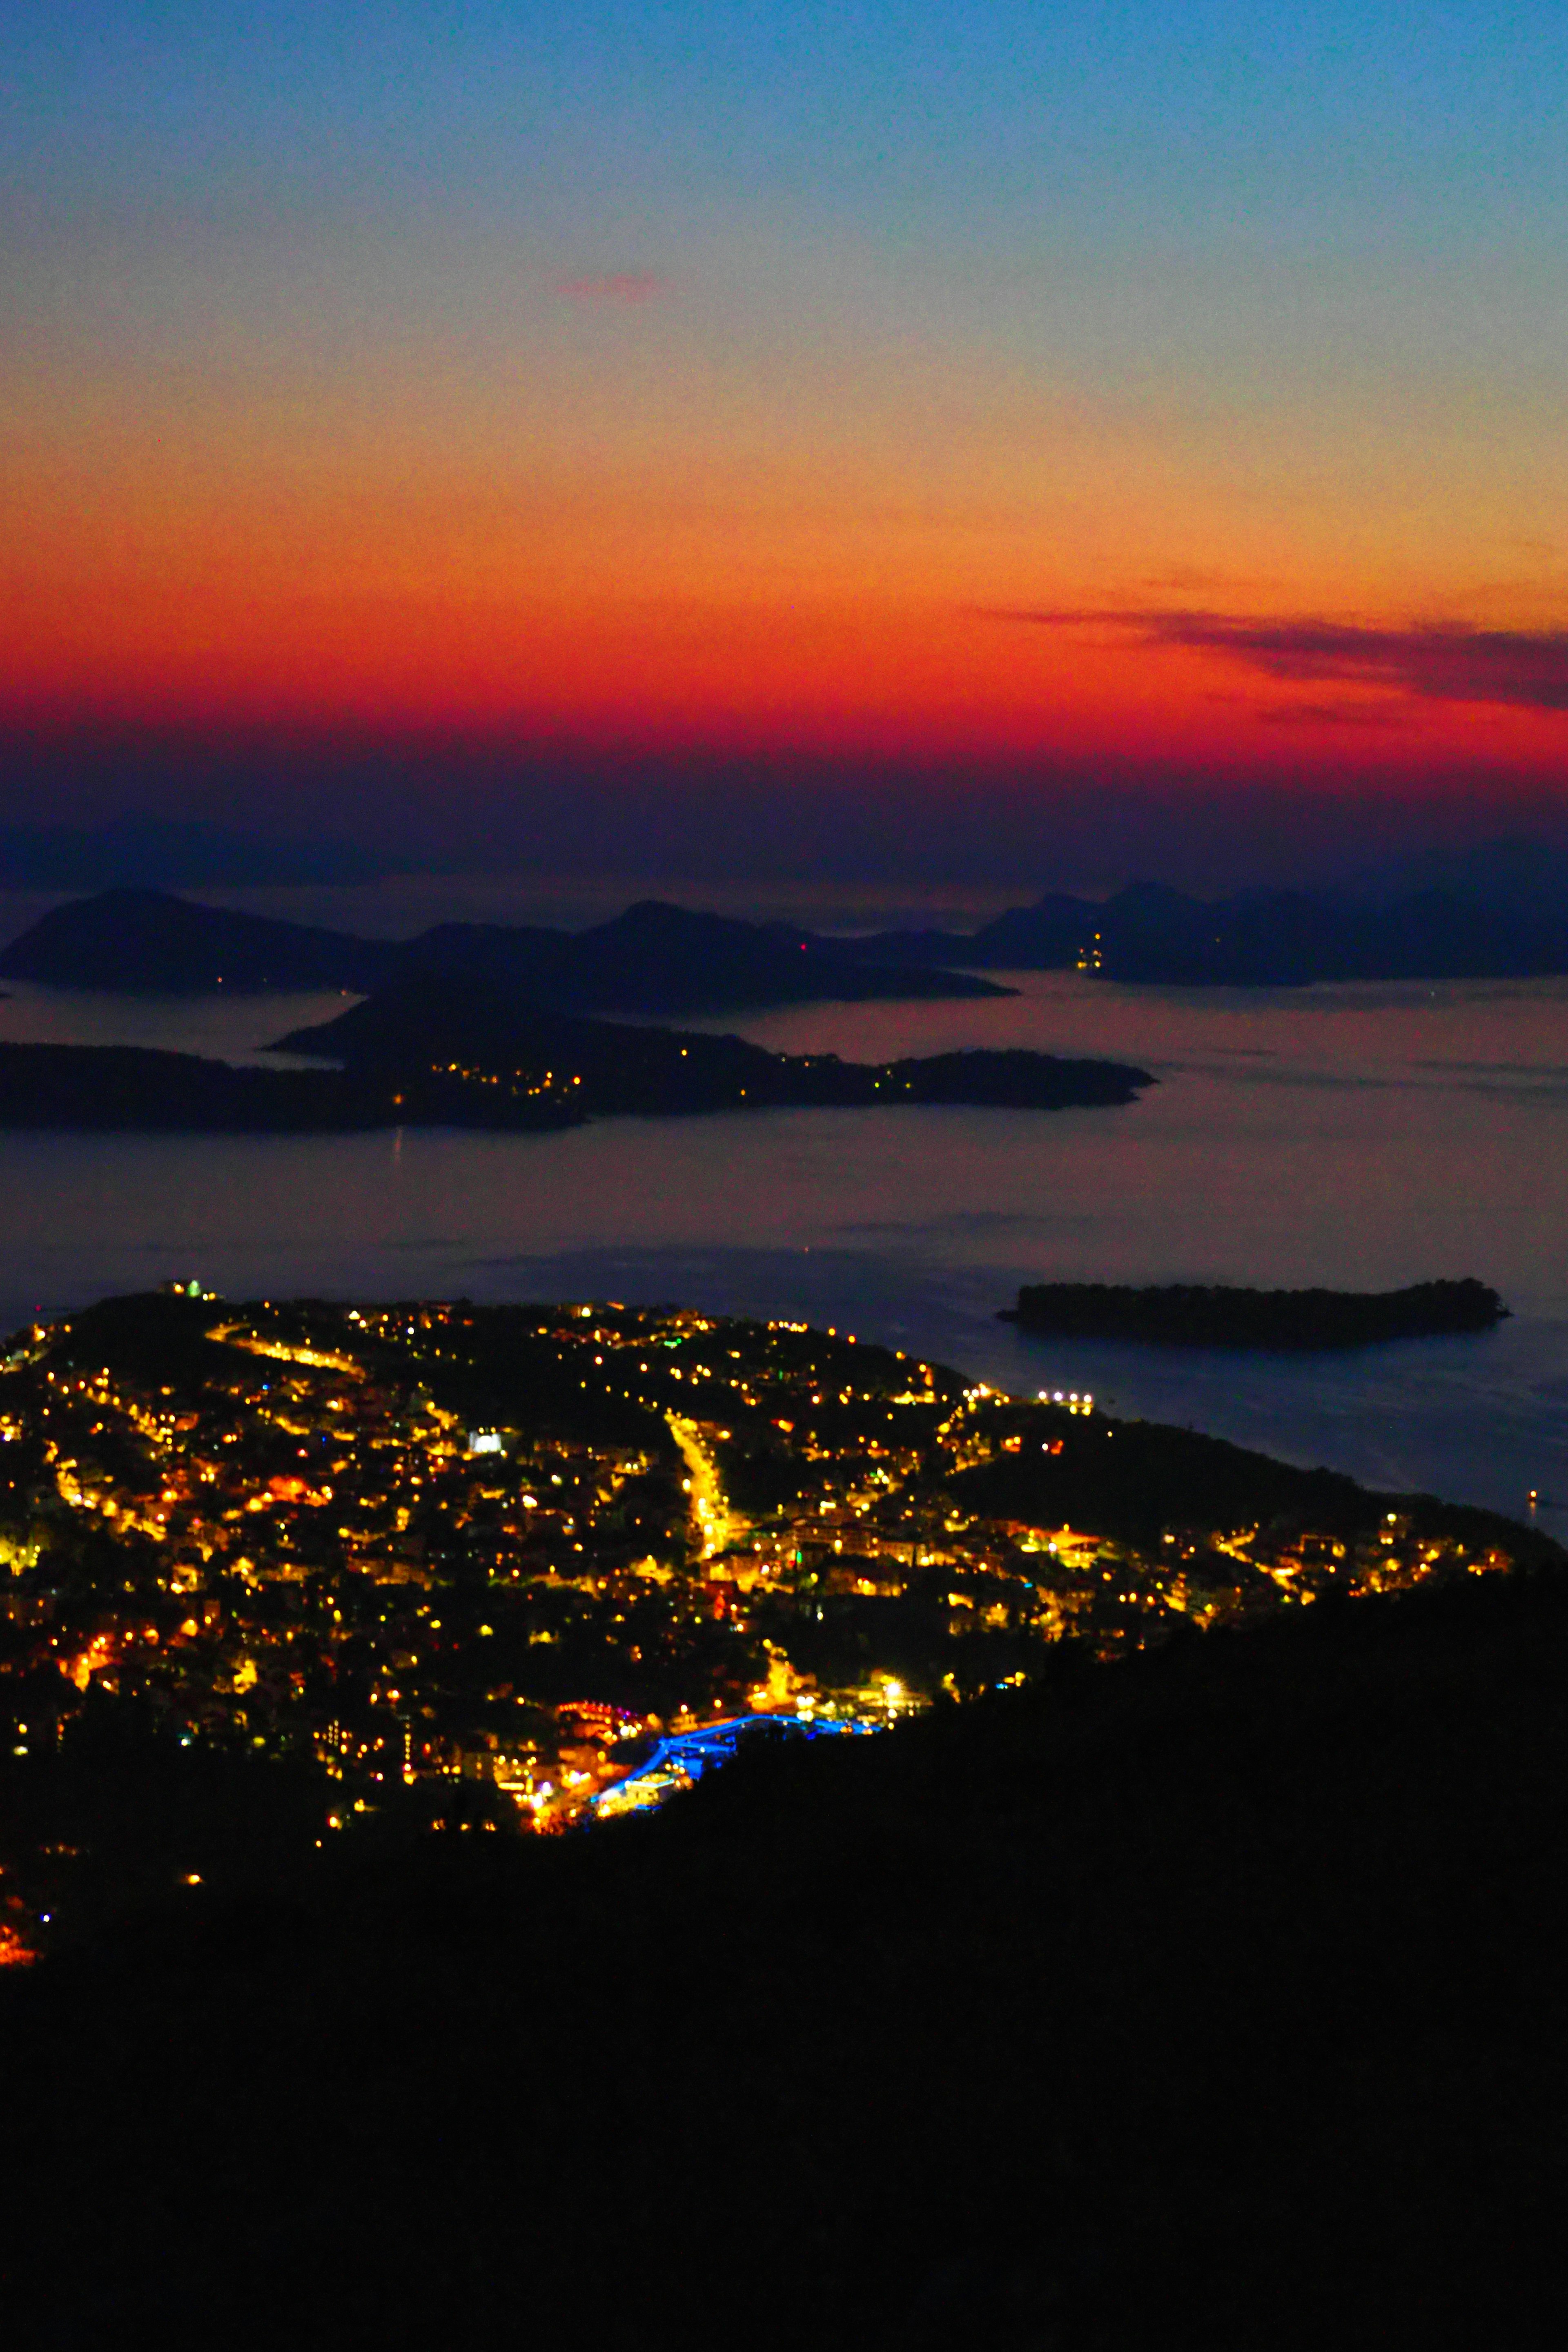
(718, 1526)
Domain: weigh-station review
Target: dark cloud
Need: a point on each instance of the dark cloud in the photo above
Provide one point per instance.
(1525, 667)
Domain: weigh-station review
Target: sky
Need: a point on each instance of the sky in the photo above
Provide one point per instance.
(1030, 400)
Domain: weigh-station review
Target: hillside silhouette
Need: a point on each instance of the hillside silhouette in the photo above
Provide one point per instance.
(1208, 1999)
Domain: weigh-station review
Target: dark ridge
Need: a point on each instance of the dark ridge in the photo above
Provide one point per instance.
(1183, 1314)
(1213, 1999)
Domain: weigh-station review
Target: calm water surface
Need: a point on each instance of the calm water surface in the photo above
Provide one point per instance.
(1360, 1137)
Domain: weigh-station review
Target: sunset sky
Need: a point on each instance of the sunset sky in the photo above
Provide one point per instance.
(1181, 387)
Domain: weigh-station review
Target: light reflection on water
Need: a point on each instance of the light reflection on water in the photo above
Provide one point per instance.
(1361, 1137)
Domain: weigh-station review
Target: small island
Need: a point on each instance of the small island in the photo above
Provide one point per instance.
(1216, 1314)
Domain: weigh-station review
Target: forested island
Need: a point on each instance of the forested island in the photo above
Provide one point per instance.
(1216, 1314)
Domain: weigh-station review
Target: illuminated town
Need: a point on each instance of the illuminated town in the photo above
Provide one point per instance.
(520, 1567)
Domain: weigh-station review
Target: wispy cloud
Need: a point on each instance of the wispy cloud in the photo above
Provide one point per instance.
(1348, 711)
(619, 286)
(1440, 663)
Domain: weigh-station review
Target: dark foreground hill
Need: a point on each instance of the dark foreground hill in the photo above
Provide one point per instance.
(1209, 2000)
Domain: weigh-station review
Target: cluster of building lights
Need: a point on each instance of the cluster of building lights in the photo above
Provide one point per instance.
(322, 1554)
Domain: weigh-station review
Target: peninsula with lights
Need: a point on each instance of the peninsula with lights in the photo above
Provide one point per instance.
(311, 1574)
(1216, 1314)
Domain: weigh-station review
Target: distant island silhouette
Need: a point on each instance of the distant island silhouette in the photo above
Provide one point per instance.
(1491, 913)
(1186, 1315)
(653, 959)
(1151, 934)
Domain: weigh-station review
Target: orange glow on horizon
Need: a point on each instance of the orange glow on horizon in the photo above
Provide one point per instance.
(720, 588)
(889, 679)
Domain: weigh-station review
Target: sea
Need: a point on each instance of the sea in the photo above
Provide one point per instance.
(1360, 1137)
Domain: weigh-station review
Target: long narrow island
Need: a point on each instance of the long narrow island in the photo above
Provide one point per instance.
(417, 1056)
(1216, 1314)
